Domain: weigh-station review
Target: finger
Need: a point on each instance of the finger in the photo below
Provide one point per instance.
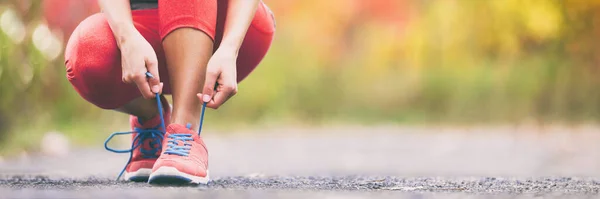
(161, 84)
(209, 85)
(152, 66)
(142, 83)
(222, 96)
(201, 97)
(128, 78)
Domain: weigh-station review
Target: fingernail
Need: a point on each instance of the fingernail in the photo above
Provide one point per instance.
(155, 88)
(206, 98)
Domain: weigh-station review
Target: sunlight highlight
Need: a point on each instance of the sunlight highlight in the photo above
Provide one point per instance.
(46, 42)
(12, 26)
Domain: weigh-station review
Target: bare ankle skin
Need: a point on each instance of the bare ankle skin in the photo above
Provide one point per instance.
(144, 109)
(187, 51)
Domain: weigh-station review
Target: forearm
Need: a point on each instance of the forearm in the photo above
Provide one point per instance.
(118, 14)
(239, 16)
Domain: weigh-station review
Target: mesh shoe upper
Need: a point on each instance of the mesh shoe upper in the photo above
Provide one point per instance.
(184, 150)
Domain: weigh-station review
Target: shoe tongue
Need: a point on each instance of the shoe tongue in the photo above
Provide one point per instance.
(178, 129)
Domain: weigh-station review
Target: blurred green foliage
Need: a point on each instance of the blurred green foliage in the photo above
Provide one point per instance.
(361, 62)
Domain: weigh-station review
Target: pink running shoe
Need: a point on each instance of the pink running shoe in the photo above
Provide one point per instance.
(184, 159)
(146, 144)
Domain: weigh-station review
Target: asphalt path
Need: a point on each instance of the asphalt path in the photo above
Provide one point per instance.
(346, 162)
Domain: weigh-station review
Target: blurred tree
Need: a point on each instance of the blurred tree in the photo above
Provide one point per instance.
(352, 61)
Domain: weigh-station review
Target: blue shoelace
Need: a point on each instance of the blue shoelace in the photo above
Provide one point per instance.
(173, 147)
(156, 135)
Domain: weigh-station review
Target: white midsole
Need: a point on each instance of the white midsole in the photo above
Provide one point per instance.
(171, 171)
(139, 173)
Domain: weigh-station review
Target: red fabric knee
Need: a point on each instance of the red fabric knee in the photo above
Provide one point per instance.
(93, 60)
(256, 43)
(198, 14)
(93, 63)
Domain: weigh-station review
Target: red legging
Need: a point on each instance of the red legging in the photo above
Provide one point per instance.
(93, 60)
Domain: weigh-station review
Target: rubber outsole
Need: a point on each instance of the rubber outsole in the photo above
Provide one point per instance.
(170, 175)
(141, 175)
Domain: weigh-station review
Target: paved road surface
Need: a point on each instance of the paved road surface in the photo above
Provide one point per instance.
(351, 162)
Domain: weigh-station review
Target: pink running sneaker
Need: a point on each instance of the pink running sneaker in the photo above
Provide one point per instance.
(184, 159)
(146, 144)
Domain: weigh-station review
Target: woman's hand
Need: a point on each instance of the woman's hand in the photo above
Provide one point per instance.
(221, 71)
(137, 58)
(137, 55)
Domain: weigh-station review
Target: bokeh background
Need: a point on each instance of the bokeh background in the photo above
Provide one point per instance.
(340, 62)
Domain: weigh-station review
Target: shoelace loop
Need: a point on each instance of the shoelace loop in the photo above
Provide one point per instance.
(155, 134)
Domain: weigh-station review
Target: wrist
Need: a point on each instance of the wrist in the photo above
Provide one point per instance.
(229, 47)
(124, 33)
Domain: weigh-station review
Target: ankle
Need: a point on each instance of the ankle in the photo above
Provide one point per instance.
(187, 123)
(147, 114)
(143, 109)
(142, 119)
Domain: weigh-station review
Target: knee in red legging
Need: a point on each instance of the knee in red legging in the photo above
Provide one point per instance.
(93, 63)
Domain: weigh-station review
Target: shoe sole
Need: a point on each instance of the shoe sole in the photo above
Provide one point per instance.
(170, 175)
(141, 175)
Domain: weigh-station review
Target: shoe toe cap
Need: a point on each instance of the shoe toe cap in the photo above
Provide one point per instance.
(183, 165)
(140, 164)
